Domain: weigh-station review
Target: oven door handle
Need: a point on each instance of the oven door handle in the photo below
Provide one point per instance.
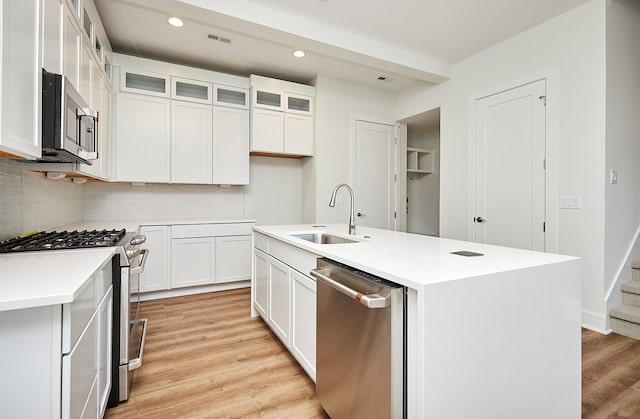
(137, 362)
(143, 260)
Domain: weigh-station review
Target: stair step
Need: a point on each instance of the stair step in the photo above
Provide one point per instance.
(635, 270)
(632, 287)
(626, 313)
(625, 328)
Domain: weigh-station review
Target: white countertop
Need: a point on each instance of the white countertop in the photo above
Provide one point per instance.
(34, 279)
(132, 225)
(412, 260)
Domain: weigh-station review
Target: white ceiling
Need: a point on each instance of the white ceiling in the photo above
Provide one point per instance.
(358, 40)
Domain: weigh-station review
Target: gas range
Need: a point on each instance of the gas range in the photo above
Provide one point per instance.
(58, 240)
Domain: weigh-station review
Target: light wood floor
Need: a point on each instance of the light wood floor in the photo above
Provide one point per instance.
(206, 358)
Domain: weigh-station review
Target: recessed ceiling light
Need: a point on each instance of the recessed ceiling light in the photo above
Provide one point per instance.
(175, 21)
(299, 53)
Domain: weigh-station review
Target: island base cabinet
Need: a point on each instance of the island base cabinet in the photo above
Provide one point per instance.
(279, 298)
(261, 283)
(303, 321)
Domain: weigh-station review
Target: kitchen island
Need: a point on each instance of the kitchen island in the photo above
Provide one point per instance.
(492, 335)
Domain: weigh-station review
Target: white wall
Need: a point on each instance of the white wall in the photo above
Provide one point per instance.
(336, 102)
(572, 45)
(31, 202)
(423, 191)
(622, 221)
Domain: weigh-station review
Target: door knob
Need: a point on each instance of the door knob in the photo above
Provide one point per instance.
(479, 220)
(361, 214)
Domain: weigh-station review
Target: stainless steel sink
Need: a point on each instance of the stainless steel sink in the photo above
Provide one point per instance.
(323, 238)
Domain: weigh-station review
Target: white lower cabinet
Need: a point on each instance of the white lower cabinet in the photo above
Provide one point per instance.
(261, 282)
(156, 271)
(279, 299)
(195, 255)
(105, 338)
(285, 298)
(303, 321)
(193, 261)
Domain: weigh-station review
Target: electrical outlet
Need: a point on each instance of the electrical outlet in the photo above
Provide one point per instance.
(283, 199)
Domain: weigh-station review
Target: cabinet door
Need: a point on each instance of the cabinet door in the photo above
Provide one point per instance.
(261, 283)
(20, 77)
(267, 99)
(71, 49)
(230, 146)
(267, 131)
(191, 148)
(52, 36)
(193, 261)
(279, 298)
(156, 271)
(143, 138)
(233, 258)
(303, 321)
(145, 83)
(298, 134)
(191, 90)
(234, 97)
(105, 321)
(79, 373)
(86, 65)
(299, 104)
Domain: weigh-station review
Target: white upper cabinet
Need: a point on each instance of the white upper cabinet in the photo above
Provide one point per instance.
(234, 97)
(143, 133)
(53, 16)
(191, 143)
(281, 118)
(191, 90)
(208, 122)
(144, 82)
(21, 78)
(230, 146)
(71, 48)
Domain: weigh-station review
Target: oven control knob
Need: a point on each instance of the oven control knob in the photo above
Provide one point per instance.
(138, 239)
(131, 251)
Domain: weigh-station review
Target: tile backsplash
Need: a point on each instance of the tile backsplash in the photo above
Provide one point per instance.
(118, 201)
(29, 201)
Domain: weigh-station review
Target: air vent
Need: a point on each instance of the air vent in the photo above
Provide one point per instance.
(219, 38)
(385, 79)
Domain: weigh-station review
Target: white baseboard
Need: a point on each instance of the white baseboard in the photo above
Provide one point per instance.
(181, 292)
(595, 322)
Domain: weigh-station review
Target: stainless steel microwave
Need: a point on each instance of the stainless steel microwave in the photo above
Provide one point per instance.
(69, 126)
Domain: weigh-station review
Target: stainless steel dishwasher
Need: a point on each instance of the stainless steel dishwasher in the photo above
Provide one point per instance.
(360, 346)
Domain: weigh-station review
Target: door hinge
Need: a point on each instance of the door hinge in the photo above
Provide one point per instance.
(395, 178)
(394, 214)
(544, 164)
(544, 227)
(543, 98)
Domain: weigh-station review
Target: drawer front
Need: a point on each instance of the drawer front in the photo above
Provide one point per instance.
(261, 242)
(298, 259)
(76, 315)
(210, 230)
(79, 372)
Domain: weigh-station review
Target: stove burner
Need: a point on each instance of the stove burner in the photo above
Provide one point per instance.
(62, 240)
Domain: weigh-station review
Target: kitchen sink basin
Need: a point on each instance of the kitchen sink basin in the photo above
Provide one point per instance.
(323, 238)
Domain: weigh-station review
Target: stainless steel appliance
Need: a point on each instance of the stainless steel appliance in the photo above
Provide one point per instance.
(360, 349)
(129, 330)
(69, 126)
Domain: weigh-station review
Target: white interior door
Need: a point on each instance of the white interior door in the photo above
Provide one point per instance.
(375, 170)
(510, 168)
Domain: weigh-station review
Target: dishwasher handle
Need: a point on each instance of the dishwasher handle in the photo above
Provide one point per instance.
(369, 301)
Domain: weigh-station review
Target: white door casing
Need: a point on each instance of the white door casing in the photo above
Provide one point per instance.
(510, 151)
(375, 174)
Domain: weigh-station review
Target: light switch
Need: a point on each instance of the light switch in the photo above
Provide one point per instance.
(613, 176)
(570, 202)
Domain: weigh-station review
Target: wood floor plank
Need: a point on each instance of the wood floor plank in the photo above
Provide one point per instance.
(206, 358)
